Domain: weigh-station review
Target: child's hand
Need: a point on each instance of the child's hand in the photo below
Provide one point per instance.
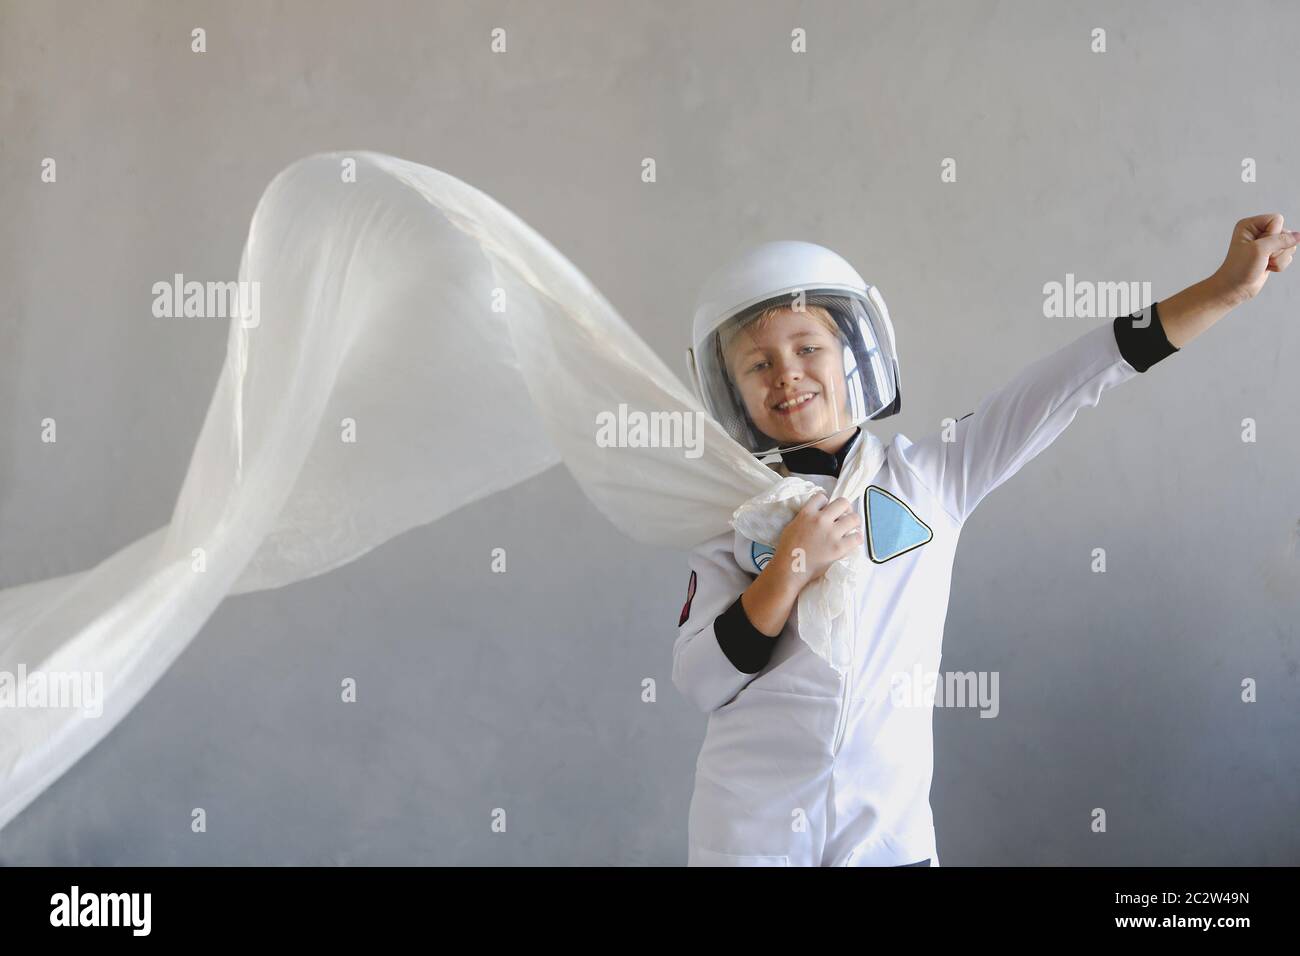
(1259, 246)
(818, 536)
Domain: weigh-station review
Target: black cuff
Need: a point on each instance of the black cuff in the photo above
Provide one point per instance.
(748, 648)
(1142, 345)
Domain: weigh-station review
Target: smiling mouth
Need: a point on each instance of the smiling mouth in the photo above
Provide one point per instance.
(799, 403)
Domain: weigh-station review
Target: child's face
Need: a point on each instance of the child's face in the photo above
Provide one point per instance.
(793, 356)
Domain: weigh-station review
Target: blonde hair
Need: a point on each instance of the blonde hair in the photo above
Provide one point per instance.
(726, 336)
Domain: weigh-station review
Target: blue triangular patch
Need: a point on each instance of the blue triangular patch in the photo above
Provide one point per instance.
(892, 527)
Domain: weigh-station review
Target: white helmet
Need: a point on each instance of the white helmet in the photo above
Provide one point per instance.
(793, 403)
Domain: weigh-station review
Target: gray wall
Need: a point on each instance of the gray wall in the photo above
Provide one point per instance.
(1118, 690)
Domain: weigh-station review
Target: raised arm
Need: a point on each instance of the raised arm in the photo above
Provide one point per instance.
(1016, 422)
(964, 462)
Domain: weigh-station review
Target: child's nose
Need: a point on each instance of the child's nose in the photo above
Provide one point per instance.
(787, 374)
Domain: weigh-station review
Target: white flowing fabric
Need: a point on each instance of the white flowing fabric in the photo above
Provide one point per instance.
(377, 308)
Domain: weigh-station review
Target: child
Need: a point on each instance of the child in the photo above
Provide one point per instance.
(792, 353)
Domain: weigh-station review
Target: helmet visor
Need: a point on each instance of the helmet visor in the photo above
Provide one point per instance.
(784, 374)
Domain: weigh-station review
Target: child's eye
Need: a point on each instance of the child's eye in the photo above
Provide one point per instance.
(806, 348)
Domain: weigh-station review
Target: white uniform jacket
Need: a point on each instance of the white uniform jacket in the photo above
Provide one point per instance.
(800, 766)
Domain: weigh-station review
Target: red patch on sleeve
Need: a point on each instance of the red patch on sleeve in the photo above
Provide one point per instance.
(690, 596)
